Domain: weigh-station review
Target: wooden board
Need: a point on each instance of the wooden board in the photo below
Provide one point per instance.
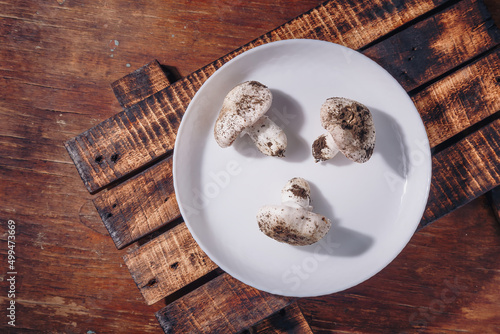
(444, 54)
(140, 205)
(223, 305)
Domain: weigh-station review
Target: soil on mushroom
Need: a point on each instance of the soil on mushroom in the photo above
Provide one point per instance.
(299, 191)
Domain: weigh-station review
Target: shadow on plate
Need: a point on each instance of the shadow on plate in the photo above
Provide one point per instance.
(340, 241)
(390, 142)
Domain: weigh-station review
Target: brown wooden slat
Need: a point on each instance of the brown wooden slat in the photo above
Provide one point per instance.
(223, 305)
(139, 205)
(461, 99)
(140, 84)
(433, 46)
(143, 132)
(446, 108)
(167, 263)
(288, 320)
(464, 171)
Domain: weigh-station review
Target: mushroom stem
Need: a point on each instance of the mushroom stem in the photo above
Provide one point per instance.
(324, 148)
(269, 138)
(296, 193)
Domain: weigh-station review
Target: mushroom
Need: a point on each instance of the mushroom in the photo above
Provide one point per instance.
(350, 130)
(293, 222)
(243, 112)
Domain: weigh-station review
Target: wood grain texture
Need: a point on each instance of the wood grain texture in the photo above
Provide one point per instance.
(153, 122)
(140, 205)
(223, 305)
(451, 105)
(140, 84)
(464, 171)
(287, 320)
(167, 263)
(429, 48)
(446, 280)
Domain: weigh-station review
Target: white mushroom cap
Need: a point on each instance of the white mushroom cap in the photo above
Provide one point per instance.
(294, 226)
(351, 125)
(241, 108)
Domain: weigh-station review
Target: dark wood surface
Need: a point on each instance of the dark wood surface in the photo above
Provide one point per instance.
(58, 60)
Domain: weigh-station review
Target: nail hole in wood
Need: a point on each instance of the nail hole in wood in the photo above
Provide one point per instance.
(98, 159)
(497, 80)
(114, 157)
(174, 265)
(166, 199)
(114, 205)
(109, 215)
(410, 58)
(151, 282)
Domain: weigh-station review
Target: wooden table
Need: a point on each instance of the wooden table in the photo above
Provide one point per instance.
(58, 60)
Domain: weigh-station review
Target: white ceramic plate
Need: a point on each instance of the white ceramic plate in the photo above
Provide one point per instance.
(375, 207)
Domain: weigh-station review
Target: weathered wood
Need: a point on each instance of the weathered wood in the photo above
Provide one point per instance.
(287, 320)
(464, 171)
(442, 282)
(167, 263)
(140, 205)
(450, 105)
(429, 48)
(223, 305)
(141, 133)
(140, 84)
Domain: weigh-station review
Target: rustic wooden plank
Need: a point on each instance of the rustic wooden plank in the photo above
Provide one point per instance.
(140, 84)
(464, 171)
(287, 320)
(447, 107)
(133, 133)
(119, 145)
(140, 205)
(433, 46)
(461, 99)
(167, 263)
(223, 305)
